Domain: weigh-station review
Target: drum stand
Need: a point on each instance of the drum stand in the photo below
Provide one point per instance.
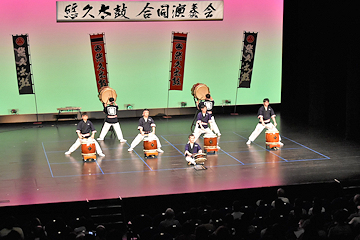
(89, 158)
(150, 154)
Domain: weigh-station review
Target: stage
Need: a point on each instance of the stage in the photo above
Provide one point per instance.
(35, 170)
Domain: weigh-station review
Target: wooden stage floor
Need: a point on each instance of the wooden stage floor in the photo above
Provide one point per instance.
(35, 170)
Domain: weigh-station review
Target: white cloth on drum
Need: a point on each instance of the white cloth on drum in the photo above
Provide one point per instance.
(214, 125)
(259, 128)
(198, 131)
(106, 128)
(140, 137)
(77, 144)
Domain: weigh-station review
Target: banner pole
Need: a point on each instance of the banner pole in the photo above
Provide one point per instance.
(168, 95)
(33, 83)
(235, 113)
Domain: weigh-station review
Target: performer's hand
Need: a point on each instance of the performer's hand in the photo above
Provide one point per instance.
(275, 124)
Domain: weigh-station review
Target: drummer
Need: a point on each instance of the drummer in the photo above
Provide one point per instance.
(265, 113)
(209, 103)
(85, 129)
(191, 149)
(203, 122)
(111, 110)
(146, 128)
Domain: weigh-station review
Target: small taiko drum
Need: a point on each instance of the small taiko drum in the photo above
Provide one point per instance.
(200, 158)
(210, 142)
(150, 146)
(199, 91)
(272, 139)
(88, 149)
(105, 93)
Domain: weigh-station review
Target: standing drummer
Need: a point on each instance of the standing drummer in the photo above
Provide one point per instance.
(111, 120)
(203, 122)
(85, 129)
(191, 149)
(265, 113)
(209, 103)
(146, 127)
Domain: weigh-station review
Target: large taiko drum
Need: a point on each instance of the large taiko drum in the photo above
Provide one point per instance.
(199, 91)
(200, 158)
(150, 146)
(210, 142)
(272, 139)
(106, 93)
(88, 149)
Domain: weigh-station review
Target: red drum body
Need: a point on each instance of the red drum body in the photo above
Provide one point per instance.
(210, 142)
(272, 139)
(150, 146)
(88, 149)
(199, 91)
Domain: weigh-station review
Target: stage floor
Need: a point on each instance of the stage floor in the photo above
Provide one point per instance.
(34, 168)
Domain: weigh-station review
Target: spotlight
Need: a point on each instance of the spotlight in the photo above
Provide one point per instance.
(129, 106)
(183, 104)
(14, 111)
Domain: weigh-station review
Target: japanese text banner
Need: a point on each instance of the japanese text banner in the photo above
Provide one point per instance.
(22, 62)
(99, 59)
(247, 62)
(178, 61)
(85, 11)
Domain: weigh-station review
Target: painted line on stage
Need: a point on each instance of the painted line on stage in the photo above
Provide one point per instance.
(172, 145)
(326, 157)
(232, 157)
(262, 147)
(306, 147)
(140, 158)
(47, 159)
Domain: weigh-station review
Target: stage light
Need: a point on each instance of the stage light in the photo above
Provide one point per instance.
(183, 104)
(129, 106)
(227, 101)
(14, 111)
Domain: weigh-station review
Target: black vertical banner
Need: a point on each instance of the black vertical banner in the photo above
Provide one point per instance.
(22, 62)
(247, 61)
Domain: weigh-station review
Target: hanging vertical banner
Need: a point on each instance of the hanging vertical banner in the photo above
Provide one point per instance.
(99, 59)
(22, 63)
(178, 61)
(247, 61)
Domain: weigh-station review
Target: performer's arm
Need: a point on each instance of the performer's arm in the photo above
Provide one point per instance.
(262, 120)
(141, 131)
(274, 120)
(79, 134)
(199, 150)
(187, 153)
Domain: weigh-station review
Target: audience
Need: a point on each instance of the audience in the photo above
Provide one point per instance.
(284, 218)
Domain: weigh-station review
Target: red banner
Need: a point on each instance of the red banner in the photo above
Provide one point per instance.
(178, 61)
(99, 59)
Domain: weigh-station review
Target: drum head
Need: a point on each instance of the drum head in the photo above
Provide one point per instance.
(209, 135)
(271, 131)
(199, 91)
(106, 93)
